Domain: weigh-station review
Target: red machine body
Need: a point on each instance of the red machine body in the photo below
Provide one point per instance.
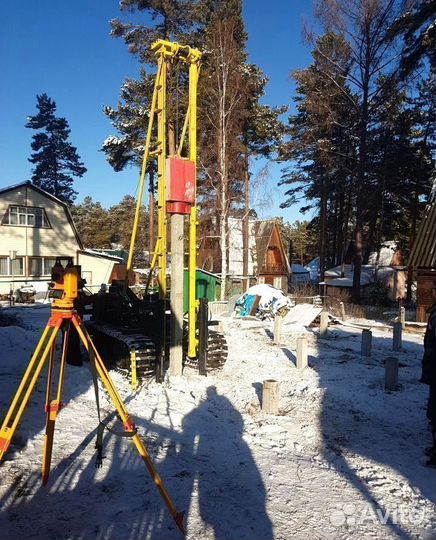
(180, 185)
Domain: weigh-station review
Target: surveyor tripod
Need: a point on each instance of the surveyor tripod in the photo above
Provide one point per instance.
(63, 317)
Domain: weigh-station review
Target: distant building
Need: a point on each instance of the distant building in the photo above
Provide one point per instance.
(300, 275)
(267, 260)
(423, 258)
(385, 266)
(313, 268)
(35, 228)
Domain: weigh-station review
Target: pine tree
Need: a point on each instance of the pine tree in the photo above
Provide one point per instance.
(56, 160)
(93, 224)
(235, 125)
(130, 119)
(174, 21)
(361, 145)
(121, 222)
(299, 240)
(321, 144)
(366, 23)
(418, 29)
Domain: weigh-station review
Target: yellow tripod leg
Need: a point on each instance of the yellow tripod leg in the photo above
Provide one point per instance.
(53, 406)
(127, 422)
(26, 387)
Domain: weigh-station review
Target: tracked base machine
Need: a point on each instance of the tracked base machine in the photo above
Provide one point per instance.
(128, 331)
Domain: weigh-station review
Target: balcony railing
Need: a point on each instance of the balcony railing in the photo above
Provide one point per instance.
(273, 269)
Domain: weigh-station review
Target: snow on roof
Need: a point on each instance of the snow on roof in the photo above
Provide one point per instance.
(142, 271)
(348, 270)
(387, 251)
(101, 254)
(366, 276)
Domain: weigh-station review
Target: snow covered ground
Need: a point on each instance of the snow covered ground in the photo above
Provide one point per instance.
(343, 460)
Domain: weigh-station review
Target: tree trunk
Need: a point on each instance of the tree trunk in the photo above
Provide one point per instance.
(334, 241)
(322, 235)
(245, 223)
(371, 233)
(377, 211)
(357, 271)
(412, 239)
(361, 170)
(223, 204)
(340, 235)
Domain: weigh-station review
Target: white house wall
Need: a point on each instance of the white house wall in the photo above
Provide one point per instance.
(236, 247)
(96, 270)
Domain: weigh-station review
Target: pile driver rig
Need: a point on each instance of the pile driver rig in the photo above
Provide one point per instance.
(135, 332)
(124, 330)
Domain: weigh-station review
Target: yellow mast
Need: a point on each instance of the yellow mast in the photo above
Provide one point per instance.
(166, 51)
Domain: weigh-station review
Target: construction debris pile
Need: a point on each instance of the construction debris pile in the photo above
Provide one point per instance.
(264, 302)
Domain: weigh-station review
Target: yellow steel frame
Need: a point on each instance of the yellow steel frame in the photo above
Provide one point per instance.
(134, 370)
(192, 265)
(162, 219)
(166, 52)
(144, 169)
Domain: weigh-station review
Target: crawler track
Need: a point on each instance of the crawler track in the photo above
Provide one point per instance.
(116, 346)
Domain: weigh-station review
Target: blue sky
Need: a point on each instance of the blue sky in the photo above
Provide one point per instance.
(64, 49)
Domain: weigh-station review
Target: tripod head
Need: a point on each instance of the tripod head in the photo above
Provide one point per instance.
(65, 285)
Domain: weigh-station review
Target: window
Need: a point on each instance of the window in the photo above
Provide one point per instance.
(11, 267)
(35, 266)
(48, 264)
(4, 266)
(278, 282)
(28, 216)
(17, 266)
(41, 266)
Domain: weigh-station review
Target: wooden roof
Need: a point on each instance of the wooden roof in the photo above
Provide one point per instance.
(264, 238)
(423, 254)
(210, 258)
(263, 232)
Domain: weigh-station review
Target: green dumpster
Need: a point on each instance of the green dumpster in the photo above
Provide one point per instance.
(205, 286)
